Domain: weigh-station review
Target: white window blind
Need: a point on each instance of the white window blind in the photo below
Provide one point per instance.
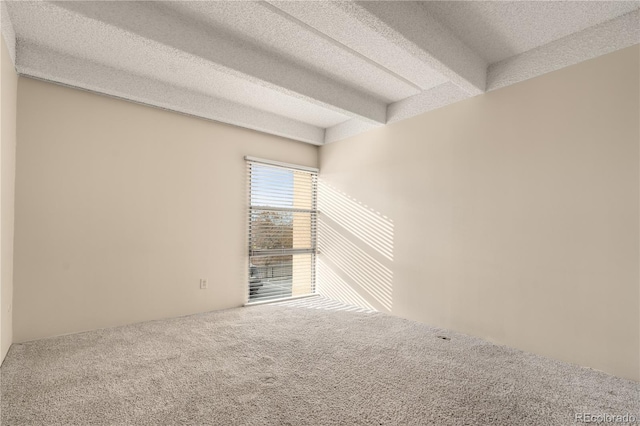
(282, 230)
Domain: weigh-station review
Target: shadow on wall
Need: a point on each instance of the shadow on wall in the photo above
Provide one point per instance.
(355, 245)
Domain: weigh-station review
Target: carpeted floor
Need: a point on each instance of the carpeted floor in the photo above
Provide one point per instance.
(295, 365)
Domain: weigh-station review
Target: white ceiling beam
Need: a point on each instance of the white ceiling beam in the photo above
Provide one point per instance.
(400, 36)
(592, 42)
(276, 31)
(43, 63)
(431, 99)
(347, 129)
(221, 52)
(434, 98)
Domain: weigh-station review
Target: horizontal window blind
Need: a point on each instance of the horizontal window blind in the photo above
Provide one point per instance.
(282, 231)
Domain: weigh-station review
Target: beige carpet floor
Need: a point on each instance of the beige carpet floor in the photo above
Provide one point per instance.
(295, 364)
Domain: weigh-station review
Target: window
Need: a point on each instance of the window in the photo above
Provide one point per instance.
(282, 230)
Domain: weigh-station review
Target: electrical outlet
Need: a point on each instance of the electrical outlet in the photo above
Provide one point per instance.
(203, 284)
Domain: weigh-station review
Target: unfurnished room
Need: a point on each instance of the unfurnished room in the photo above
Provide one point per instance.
(319, 213)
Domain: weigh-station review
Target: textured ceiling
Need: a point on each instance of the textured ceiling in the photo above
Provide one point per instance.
(498, 30)
(312, 71)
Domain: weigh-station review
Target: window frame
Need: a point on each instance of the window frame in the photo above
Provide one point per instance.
(313, 217)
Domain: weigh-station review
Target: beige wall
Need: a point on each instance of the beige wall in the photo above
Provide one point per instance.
(512, 216)
(122, 208)
(8, 89)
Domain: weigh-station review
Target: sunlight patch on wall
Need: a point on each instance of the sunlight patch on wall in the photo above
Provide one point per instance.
(361, 268)
(355, 251)
(361, 221)
(336, 288)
